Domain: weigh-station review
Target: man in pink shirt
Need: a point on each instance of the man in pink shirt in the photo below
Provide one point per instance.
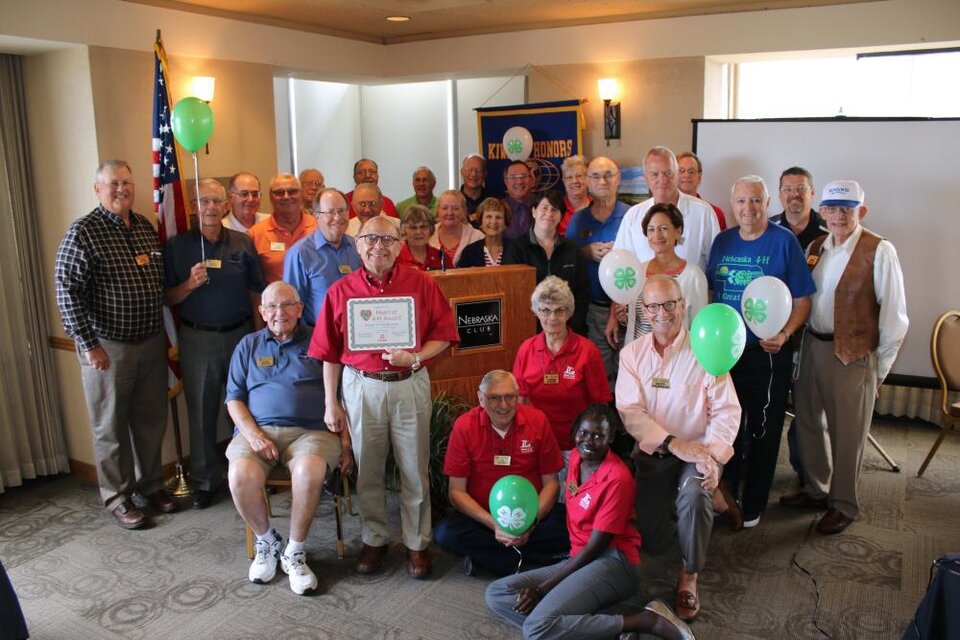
(685, 422)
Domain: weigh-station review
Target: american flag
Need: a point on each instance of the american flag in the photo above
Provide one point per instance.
(168, 203)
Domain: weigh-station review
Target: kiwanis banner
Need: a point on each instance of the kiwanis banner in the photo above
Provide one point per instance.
(556, 135)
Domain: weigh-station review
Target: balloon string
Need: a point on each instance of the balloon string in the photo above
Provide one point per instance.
(196, 178)
(519, 553)
(763, 420)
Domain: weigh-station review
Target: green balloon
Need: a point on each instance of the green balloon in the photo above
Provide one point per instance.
(717, 337)
(192, 123)
(513, 504)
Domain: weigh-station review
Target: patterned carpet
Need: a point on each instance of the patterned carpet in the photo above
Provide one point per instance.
(81, 577)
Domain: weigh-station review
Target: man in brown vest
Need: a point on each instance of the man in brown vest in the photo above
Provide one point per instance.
(857, 321)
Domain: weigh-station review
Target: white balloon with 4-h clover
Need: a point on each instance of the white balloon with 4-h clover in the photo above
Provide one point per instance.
(620, 276)
(518, 143)
(766, 306)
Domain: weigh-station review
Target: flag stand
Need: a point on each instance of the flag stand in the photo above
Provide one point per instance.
(178, 485)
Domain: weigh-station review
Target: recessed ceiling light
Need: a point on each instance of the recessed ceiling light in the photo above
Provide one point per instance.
(398, 18)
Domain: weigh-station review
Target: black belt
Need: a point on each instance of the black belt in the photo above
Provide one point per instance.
(224, 328)
(825, 337)
(385, 376)
(600, 303)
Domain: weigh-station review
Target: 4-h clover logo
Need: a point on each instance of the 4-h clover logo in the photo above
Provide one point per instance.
(625, 278)
(755, 310)
(511, 519)
(514, 146)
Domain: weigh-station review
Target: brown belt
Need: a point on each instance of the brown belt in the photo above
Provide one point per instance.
(385, 376)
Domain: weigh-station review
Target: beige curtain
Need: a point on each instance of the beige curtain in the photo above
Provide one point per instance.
(31, 433)
(911, 402)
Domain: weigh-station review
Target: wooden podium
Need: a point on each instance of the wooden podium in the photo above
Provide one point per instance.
(491, 306)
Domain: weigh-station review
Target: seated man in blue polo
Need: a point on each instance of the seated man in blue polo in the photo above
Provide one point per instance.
(496, 439)
(275, 398)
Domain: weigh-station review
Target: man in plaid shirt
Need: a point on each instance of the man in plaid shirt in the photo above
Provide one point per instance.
(109, 277)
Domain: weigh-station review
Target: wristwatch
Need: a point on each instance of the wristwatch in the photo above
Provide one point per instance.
(416, 362)
(663, 451)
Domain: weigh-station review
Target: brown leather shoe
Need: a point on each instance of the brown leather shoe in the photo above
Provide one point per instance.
(129, 517)
(688, 605)
(162, 502)
(803, 500)
(732, 511)
(418, 563)
(370, 559)
(833, 521)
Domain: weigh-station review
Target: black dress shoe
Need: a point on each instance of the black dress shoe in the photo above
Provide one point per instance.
(129, 517)
(833, 521)
(162, 502)
(802, 500)
(202, 499)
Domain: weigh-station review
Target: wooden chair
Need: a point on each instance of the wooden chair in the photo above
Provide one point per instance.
(945, 351)
(279, 478)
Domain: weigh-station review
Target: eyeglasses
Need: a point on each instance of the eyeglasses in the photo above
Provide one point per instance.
(416, 226)
(367, 203)
(216, 202)
(116, 184)
(606, 175)
(691, 170)
(273, 308)
(547, 311)
(243, 195)
(290, 191)
(831, 210)
(517, 177)
(508, 398)
(339, 211)
(799, 189)
(373, 238)
(311, 183)
(653, 175)
(654, 307)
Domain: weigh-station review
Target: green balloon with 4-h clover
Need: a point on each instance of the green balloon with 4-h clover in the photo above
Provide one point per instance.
(717, 337)
(513, 504)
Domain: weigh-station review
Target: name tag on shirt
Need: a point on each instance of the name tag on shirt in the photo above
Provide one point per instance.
(278, 246)
(345, 269)
(551, 378)
(142, 259)
(213, 263)
(661, 383)
(812, 260)
(501, 461)
(265, 361)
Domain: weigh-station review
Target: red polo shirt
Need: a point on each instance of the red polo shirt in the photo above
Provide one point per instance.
(605, 503)
(434, 317)
(432, 262)
(580, 380)
(473, 444)
(272, 242)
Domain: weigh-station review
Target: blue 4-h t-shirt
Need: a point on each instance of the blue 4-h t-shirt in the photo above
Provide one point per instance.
(734, 263)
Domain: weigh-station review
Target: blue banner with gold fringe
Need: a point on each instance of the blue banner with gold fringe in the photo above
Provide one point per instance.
(555, 128)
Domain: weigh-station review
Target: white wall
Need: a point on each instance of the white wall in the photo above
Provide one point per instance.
(327, 130)
(483, 92)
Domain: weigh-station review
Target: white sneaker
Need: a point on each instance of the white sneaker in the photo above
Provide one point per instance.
(264, 565)
(302, 578)
(751, 523)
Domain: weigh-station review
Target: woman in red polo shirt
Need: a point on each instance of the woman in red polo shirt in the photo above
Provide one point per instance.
(559, 371)
(602, 569)
(417, 226)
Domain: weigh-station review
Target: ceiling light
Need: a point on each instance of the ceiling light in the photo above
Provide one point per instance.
(398, 18)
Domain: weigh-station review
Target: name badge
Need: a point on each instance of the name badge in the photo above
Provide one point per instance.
(265, 361)
(551, 378)
(661, 383)
(572, 488)
(345, 268)
(142, 259)
(278, 246)
(812, 260)
(213, 263)
(501, 461)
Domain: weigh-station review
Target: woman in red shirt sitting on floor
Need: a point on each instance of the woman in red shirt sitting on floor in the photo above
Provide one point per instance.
(562, 600)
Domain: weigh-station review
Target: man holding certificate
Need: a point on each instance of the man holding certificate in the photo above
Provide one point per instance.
(377, 327)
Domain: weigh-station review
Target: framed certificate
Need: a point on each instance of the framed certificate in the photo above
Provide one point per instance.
(375, 324)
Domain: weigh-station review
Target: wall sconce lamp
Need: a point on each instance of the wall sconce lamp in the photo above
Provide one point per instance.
(609, 89)
(202, 87)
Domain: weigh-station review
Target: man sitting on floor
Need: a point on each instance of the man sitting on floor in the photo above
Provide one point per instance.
(497, 439)
(275, 398)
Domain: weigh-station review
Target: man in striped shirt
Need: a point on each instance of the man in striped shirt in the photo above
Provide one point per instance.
(109, 278)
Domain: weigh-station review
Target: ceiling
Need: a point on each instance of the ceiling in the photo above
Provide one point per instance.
(432, 19)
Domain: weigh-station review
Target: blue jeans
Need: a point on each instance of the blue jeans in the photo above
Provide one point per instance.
(570, 609)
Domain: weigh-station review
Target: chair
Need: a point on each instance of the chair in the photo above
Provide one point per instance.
(279, 478)
(945, 352)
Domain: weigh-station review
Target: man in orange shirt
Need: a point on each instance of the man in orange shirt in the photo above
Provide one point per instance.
(273, 236)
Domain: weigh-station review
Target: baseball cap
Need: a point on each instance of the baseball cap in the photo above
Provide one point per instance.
(842, 193)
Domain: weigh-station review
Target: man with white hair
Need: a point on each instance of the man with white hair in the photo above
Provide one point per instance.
(424, 183)
(858, 320)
